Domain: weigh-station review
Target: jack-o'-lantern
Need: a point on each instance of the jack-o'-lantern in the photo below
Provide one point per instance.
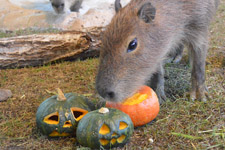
(142, 107)
(104, 128)
(59, 115)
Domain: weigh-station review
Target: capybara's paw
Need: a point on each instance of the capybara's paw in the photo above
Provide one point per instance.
(161, 95)
(200, 93)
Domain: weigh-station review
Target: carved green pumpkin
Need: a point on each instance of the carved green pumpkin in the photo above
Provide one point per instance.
(59, 115)
(104, 128)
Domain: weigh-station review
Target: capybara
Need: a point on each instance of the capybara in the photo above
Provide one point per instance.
(63, 6)
(145, 32)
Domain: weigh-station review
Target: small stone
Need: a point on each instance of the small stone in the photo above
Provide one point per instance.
(150, 140)
(5, 94)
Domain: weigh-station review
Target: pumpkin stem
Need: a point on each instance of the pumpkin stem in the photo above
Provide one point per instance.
(61, 96)
(103, 110)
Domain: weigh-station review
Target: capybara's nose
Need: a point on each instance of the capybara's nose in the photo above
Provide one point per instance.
(58, 5)
(106, 93)
(110, 95)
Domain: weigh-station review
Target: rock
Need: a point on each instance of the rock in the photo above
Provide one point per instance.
(16, 17)
(5, 94)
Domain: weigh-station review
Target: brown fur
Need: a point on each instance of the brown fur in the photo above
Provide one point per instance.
(175, 22)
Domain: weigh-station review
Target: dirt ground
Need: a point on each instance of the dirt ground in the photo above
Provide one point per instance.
(181, 123)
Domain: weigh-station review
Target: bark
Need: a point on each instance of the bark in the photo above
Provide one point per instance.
(40, 49)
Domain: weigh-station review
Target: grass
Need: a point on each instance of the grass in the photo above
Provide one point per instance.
(28, 31)
(181, 124)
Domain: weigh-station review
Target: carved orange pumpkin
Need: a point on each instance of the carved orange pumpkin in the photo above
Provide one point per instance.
(142, 107)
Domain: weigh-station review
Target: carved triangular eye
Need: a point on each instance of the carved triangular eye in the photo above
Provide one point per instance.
(78, 113)
(123, 125)
(52, 118)
(104, 129)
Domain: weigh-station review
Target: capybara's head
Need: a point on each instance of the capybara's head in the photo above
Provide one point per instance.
(58, 5)
(130, 51)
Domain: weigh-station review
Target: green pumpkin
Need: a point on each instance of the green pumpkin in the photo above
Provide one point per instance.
(104, 128)
(59, 115)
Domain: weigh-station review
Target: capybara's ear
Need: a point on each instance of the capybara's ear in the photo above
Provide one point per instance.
(147, 12)
(118, 6)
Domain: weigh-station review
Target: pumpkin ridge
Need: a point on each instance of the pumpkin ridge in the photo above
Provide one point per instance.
(50, 103)
(46, 103)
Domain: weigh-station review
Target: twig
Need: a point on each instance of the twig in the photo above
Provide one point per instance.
(187, 136)
(214, 146)
(162, 119)
(193, 146)
(207, 131)
(14, 138)
(51, 92)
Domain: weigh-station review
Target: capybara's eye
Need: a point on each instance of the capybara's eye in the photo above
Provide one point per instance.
(132, 45)
(62, 5)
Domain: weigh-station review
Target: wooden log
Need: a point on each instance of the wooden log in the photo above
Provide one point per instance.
(40, 49)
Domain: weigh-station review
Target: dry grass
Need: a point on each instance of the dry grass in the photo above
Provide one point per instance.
(181, 124)
(27, 31)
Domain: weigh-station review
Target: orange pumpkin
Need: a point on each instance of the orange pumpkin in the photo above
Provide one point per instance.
(142, 107)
